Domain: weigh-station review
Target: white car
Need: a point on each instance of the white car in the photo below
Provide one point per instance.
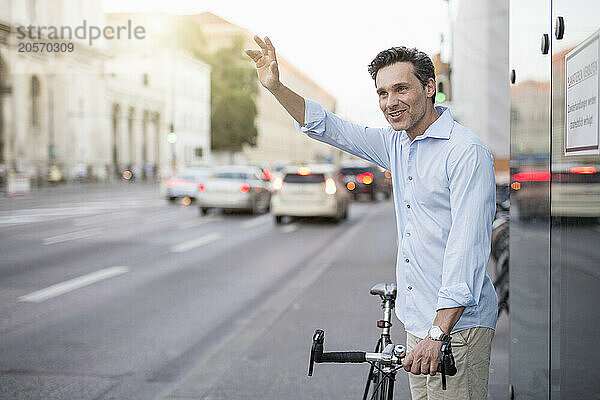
(235, 188)
(186, 183)
(310, 191)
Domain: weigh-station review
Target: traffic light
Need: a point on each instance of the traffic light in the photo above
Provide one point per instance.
(440, 96)
(171, 136)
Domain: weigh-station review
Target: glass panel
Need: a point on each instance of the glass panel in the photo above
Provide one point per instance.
(529, 200)
(575, 202)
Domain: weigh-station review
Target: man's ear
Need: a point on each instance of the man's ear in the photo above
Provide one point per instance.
(430, 87)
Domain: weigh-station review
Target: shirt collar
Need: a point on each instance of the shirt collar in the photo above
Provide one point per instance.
(440, 129)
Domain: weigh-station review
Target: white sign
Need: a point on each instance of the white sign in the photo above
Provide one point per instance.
(581, 98)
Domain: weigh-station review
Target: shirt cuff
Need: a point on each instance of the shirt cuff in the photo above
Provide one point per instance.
(455, 296)
(314, 118)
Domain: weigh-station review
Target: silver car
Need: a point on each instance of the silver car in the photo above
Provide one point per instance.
(235, 188)
(187, 183)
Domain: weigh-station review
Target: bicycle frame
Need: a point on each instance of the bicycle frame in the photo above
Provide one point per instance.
(386, 372)
(386, 359)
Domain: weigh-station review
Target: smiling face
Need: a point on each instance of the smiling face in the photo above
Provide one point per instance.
(403, 99)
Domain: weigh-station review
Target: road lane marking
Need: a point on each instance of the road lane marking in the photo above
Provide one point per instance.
(72, 284)
(192, 244)
(71, 236)
(289, 228)
(105, 218)
(198, 222)
(251, 223)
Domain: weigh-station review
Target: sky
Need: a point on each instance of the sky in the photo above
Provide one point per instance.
(330, 41)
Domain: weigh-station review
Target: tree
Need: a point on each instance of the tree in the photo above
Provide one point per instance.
(233, 92)
(234, 86)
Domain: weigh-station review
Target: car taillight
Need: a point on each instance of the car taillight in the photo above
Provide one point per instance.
(244, 187)
(266, 174)
(330, 186)
(350, 185)
(277, 184)
(583, 170)
(366, 178)
(388, 174)
(201, 187)
(532, 176)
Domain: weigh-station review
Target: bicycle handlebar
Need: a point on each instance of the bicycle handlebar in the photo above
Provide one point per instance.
(392, 355)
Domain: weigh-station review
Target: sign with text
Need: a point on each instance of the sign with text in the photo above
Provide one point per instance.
(581, 98)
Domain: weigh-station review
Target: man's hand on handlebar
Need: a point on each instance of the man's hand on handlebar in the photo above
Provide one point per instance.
(424, 358)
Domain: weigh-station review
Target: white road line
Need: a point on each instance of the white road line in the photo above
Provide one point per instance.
(71, 236)
(251, 223)
(289, 228)
(104, 218)
(192, 244)
(198, 222)
(72, 284)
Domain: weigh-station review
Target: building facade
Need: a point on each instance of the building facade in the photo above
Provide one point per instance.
(99, 108)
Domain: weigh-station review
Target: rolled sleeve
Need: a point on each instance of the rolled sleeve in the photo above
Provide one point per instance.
(472, 205)
(314, 118)
(455, 296)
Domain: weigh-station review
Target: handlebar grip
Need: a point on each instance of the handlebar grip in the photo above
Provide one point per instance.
(342, 357)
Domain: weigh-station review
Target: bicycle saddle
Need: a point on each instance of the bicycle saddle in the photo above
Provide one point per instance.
(385, 290)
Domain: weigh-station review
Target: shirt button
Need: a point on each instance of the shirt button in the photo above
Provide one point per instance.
(410, 288)
(407, 234)
(406, 260)
(410, 178)
(408, 206)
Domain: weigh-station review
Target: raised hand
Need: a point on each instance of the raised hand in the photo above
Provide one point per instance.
(266, 63)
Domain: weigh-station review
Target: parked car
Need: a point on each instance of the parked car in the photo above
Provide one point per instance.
(366, 179)
(309, 191)
(186, 183)
(235, 188)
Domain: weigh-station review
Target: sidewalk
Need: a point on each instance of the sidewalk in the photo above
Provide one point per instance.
(268, 357)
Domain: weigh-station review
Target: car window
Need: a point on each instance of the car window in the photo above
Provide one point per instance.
(354, 170)
(233, 175)
(310, 178)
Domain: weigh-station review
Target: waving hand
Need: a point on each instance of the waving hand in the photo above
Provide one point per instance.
(266, 63)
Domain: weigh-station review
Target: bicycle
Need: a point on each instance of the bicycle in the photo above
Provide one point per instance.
(500, 253)
(387, 358)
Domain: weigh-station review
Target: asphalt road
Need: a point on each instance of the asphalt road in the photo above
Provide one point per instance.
(111, 292)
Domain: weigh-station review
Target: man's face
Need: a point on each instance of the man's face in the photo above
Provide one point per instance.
(402, 97)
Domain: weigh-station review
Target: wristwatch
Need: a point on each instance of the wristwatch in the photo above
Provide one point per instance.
(436, 333)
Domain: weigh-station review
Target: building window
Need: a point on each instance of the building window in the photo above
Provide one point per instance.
(198, 152)
(35, 101)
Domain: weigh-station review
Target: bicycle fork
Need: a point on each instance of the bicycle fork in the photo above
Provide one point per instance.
(386, 372)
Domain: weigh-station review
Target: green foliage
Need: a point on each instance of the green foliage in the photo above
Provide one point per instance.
(233, 90)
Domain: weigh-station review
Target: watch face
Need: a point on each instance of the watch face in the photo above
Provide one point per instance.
(435, 332)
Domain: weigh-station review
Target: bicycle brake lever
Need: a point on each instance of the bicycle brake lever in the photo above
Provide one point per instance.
(316, 349)
(446, 366)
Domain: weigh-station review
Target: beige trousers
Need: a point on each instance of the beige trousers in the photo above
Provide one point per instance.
(471, 349)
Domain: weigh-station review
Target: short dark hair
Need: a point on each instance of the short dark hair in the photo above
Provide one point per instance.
(422, 65)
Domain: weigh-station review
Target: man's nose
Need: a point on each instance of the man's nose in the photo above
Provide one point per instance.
(392, 101)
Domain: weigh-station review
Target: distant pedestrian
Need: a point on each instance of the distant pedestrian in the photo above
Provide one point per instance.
(444, 194)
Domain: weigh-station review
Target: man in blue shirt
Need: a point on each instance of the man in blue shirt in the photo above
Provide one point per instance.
(444, 197)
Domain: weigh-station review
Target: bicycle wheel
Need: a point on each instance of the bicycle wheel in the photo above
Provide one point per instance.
(502, 282)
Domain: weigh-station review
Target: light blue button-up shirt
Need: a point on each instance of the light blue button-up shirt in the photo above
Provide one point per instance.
(445, 200)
